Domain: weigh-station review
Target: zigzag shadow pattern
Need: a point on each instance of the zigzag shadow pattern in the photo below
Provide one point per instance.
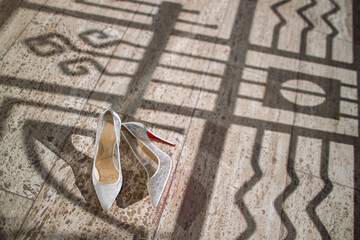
(330, 37)
(279, 201)
(282, 22)
(247, 186)
(294, 183)
(310, 27)
(311, 207)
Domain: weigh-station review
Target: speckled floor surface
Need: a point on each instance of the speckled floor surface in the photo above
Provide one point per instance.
(260, 97)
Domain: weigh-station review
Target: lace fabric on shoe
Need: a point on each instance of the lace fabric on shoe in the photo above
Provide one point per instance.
(157, 179)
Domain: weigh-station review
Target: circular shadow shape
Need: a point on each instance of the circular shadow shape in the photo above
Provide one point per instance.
(303, 92)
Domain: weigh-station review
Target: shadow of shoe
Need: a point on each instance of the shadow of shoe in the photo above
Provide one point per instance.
(65, 142)
(135, 177)
(77, 153)
(75, 146)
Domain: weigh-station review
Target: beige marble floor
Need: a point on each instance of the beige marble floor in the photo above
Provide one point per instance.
(260, 97)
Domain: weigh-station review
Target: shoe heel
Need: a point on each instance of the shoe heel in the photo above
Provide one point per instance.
(152, 135)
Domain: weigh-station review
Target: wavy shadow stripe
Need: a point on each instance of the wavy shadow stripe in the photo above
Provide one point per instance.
(279, 201)
(329, 38)
(311, 207)
(278, 26)
(310, 26)
(247, 186)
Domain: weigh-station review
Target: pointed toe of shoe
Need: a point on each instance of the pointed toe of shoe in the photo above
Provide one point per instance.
(105, 203)
(155, 192)
(107, 193)
(157, 183)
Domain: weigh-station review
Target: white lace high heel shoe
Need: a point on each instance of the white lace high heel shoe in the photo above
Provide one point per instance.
(157, 164)
(106, 172)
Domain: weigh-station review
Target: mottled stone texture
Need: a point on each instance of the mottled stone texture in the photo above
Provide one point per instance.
(260, 97)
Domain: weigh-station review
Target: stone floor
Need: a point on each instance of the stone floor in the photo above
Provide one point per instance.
(260, 97)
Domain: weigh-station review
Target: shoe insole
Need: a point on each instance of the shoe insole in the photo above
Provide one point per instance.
(104, 164)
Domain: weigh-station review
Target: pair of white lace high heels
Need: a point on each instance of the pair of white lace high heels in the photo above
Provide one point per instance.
(106, 173)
